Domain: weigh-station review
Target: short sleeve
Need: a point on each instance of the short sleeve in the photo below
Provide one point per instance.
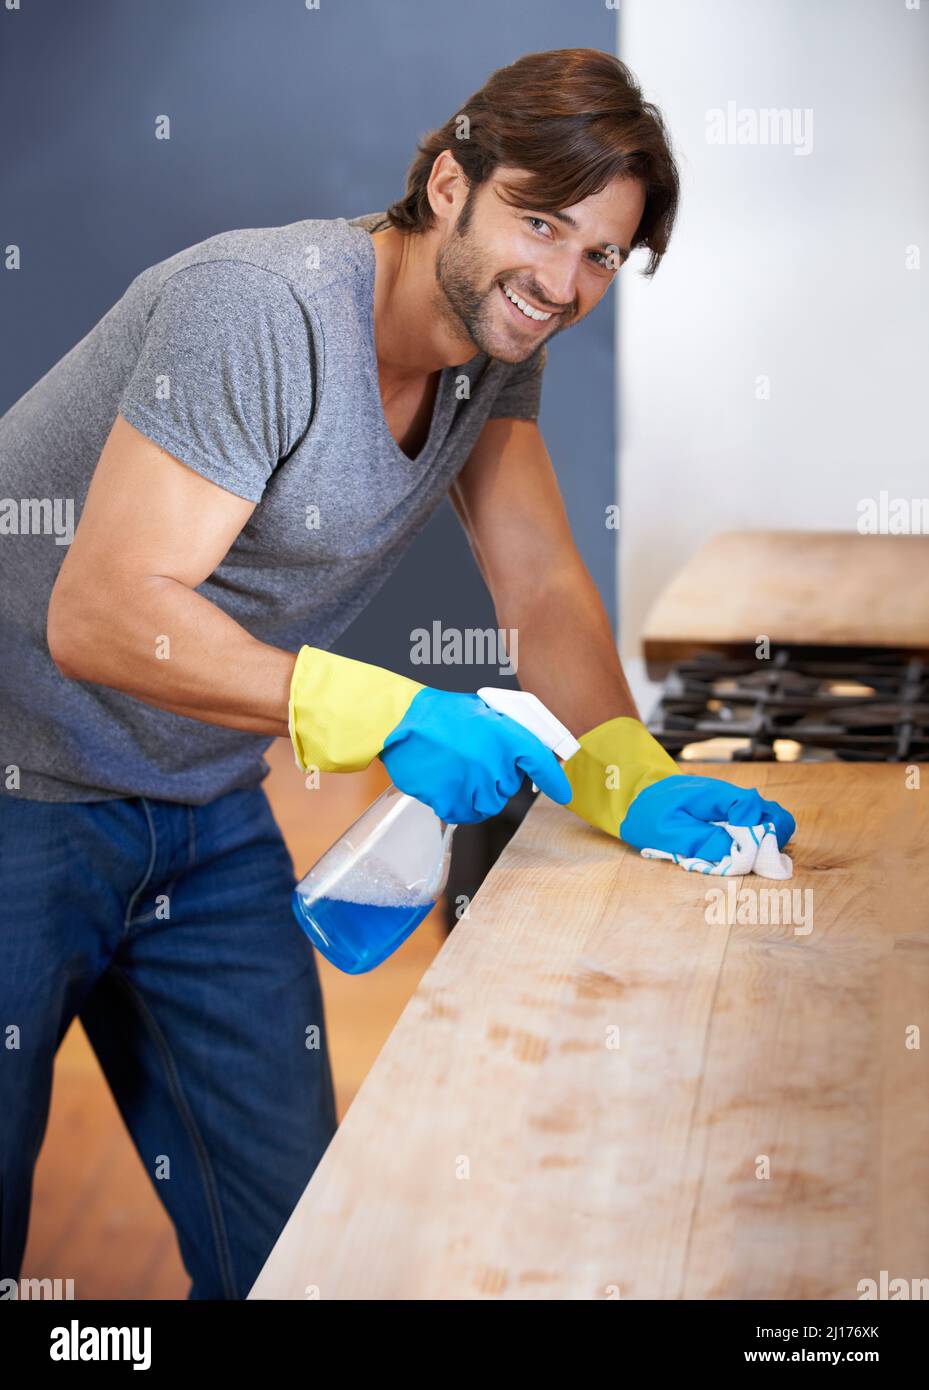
(223, 380)
(521, 392)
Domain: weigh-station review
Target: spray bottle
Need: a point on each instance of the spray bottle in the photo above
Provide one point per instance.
(364, 897)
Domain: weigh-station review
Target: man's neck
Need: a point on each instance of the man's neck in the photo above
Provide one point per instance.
(413, 338)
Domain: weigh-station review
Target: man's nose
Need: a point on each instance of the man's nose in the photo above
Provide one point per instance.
(558, 287)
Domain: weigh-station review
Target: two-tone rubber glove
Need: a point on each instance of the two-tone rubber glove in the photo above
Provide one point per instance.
(624, 782)
(451, 751)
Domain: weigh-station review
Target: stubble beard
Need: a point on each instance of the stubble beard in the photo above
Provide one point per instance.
(462, 306)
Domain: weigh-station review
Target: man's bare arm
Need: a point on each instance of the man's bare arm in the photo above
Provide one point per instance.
(151, 530)
(509, 503)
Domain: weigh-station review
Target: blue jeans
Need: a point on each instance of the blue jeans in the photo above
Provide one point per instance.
(168, 930)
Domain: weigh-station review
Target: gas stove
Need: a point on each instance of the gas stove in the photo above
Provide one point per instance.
(803, 704)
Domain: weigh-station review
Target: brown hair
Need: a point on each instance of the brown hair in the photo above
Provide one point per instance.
(572, 119)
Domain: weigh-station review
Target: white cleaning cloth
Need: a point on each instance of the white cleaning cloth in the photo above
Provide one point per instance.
(754, 851)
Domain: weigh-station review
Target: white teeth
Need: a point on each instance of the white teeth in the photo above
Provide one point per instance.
(527, 309)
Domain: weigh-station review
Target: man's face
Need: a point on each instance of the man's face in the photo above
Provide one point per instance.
(554, 267)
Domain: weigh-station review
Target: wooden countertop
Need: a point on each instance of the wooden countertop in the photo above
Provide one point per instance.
(583, 1096)
(833, 588)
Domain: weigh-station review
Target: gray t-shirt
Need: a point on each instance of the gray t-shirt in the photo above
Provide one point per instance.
(251, 358)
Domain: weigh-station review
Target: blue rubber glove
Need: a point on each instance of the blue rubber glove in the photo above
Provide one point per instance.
(674, 814)
(466, 760)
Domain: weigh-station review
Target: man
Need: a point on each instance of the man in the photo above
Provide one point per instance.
(253, 435)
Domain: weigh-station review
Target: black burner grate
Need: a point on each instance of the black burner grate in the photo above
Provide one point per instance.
(849, 704)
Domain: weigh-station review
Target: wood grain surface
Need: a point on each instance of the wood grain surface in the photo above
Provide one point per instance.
(761, 1130)
(804, 587)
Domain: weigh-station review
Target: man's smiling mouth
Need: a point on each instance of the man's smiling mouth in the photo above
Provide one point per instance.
(525, 307)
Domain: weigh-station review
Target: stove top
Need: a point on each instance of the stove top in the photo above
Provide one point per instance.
(803, 704)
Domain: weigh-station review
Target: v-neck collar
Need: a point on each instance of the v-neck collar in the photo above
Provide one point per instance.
(369, 265)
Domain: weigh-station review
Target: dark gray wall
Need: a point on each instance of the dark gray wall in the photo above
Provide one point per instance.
(277, 113)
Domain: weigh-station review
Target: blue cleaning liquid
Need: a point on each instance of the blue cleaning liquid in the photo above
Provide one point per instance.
(356, 936)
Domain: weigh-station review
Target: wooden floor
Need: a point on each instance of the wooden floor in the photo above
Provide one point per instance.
(96, 1218)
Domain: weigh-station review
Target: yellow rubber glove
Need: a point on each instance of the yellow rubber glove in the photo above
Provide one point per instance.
(340, 711)
(617, 760)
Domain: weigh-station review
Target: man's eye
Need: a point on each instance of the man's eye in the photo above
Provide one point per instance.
(540, 220)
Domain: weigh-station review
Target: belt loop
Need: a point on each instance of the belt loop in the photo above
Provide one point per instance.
(191, 834)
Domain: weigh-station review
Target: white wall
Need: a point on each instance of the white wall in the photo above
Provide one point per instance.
(785, 265)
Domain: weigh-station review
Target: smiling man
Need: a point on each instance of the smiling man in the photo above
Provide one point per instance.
(253, 435)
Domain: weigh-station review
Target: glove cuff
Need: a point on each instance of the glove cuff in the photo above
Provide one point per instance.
(617, 760)
(340, 711)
